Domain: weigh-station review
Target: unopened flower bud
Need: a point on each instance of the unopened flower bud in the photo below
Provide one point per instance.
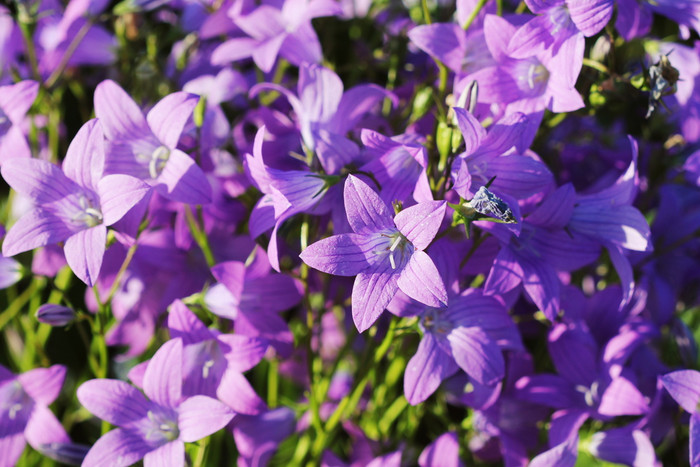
(54, 315)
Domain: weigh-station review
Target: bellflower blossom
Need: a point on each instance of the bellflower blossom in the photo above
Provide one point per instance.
(384, 252)
(146, 148)
(684, 387)
(154, 429)
(24, 413)
(74, 205)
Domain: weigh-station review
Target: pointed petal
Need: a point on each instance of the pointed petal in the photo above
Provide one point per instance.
(265, 53)
(37, 179)
(421, 222)
(590, 16)
(366, 211)
(112, 400)
(621, 397)
(119, 115)
(622, 225)
(182, 180)
(16, 99)
(471, 129)
(118, 194)
(684, 387)
(200, 416)
(371, 293)
(320, 91)
(43, 384)
(624, 271)
(426, 370)
(477, 355)
(444, 41)
(542, 284)
(233, 50)
(84, 251)
(184, 324)
(443, 451)
(623, 446)
(561, 455)
(355, 103)
(565, 425)
(85, 158)
(162, 381)
(44, 428)
(168, 117)
(117, 448)
(171, 454)
(344, 254)
(236, 392)
(242, 352)
(421, 280)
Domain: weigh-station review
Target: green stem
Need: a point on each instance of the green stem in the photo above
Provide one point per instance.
(118, 279)
(199, 236)
(19, 303)
(596, 66)
(426, 12)
(474, 14)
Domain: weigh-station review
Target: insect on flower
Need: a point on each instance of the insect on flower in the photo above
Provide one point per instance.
(487, 203)
(662, 82)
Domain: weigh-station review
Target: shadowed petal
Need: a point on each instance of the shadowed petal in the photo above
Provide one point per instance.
(623, 446)
(184, 324)
(426, 370)
(168, 117)
(477, 355)
(162, 381)
(200, 416)
(444, 451)
(243, 352)
(118, 448)
(355, 103)
(183, 180)
(471, 129)
(115, 401)
(84, 251)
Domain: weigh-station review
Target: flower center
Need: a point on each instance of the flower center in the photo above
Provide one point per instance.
(157, 162)
(163, 427)
(88, 215)
(14, 399)
(590, 394)
(399, 245)
(435, 323)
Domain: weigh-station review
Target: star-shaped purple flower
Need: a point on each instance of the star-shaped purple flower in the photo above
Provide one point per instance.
(384, 252)
(154, 429)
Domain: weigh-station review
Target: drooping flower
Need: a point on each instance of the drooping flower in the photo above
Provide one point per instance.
(156, 428)
(384, 252)
(74, 205)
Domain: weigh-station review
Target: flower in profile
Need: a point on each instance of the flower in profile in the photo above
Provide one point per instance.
(54, 315)
(74, 205)
(154, 429)
(384, 252)
(24, 413)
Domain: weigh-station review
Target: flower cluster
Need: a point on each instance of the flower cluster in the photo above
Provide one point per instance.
(348, 232)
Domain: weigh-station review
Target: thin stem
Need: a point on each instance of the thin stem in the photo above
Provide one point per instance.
(199, 236)
(19, 303)
(474, 14)
(120, 273)
(69, 53)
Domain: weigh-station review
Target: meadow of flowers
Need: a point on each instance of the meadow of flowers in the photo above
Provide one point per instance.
(350, 232)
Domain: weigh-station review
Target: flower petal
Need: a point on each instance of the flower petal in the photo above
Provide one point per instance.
(344, 254)
(38, 179)
(371, 293)
(85, 158)
(366, 211)
(183, 180)
(477, 355)
(112, 400)
(44, 428)
(426, 370)
(684, 387)
(171, 454)
(200, 416)
(118, 448)
(420, 280)
(168, 117)
(119, 115)
(162, 381)
(242, 352)
(84, 251)
(421, 222)
(184, 324)
(43, 384)
(236, 392)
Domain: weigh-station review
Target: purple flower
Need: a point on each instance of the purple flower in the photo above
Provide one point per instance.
(146, 148)
(277, 28)
(684, 387)
(54, 315)
(15, 101)
(443, 451)
(384, 252)
(154, 429)
(24, 413)
(74, 206)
